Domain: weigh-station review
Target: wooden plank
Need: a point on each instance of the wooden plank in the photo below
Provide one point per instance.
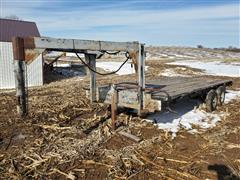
(130, 136)
(187, 88)
(191, 86)
(176, 87)
(184, 84)
(168, 80)
(195, 89)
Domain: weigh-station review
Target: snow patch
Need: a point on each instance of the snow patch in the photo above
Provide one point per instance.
(62, 65)
(230, 95)
(212, 68)
(74, 55)
(171, 73)
(179, 72)
(186, 114)
(65, 69)
(113, 66)
(54, 54)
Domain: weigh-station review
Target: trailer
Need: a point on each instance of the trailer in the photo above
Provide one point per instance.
(160, 93)
(143, 96)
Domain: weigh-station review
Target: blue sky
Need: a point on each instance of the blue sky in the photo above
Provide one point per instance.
(212, 23)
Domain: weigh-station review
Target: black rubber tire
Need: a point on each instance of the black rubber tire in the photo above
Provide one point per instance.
(211, 101)
(221, 95)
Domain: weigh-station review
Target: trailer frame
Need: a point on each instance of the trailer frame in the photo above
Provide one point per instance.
(143, 96)
(26, 49)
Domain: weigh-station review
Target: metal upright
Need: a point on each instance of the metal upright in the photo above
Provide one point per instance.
(19, 67)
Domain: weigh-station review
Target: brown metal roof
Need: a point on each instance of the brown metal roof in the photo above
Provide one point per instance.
(13, 28)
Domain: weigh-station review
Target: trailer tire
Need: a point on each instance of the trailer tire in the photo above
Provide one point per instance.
(211, 100)
(221, 95)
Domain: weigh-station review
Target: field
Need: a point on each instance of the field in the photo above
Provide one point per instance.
(65, 137)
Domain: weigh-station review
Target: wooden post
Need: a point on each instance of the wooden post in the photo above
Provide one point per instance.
(91, 60)
(141, 77)
(19, 66)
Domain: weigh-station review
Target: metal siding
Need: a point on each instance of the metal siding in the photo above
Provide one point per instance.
(35, 72)
(16, 28)
(6, 66)
(7, 80)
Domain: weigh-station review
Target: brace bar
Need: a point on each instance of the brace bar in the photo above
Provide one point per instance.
(70, 44)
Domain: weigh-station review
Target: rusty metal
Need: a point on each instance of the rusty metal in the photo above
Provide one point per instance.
(31, 55)
(30, 50)
(23, 49)
(18, 48)
(114, 103)
(29, 43)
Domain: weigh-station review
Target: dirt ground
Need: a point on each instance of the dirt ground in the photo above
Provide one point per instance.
(64, 137)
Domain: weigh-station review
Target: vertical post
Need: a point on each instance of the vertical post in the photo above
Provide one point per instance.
(91, 60)
(114, 107)
(19, 66)
(141, 77)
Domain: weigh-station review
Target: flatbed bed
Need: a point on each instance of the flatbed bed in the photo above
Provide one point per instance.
(159, 91)
(172, 88)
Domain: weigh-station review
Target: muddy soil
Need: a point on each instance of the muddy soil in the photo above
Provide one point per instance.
(65, 137)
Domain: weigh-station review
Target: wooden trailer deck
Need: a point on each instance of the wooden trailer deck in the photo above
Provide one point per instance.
(158, 91)
(171, 88)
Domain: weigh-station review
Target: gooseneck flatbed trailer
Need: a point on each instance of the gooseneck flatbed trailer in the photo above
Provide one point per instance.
(144, 96)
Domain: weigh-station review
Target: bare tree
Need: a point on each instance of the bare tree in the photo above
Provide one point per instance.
(13, 17)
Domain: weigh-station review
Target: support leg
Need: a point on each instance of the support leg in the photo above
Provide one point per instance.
(114, 107)
(141, 77)
(20, 88)
(91, 59)
(18, 52)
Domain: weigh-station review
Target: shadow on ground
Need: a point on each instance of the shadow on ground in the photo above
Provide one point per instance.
(179, 109)
(223, 172)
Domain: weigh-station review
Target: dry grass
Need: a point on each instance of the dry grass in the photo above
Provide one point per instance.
(64, 137)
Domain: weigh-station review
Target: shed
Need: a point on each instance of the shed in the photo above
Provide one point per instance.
(33, 71)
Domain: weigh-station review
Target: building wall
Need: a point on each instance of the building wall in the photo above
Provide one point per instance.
(34, 70)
